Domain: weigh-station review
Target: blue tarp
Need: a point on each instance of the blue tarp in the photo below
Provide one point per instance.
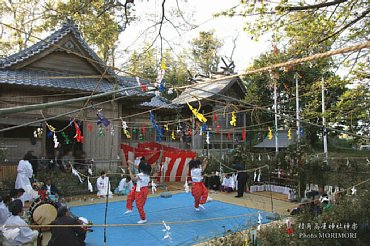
(192, 227)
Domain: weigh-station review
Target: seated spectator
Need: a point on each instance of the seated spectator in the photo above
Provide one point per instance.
(103, 186)
(4, 211)
(213, 182)
(227, 184)
(14, 236)
(67, 162)
(71, 236)
(50, 188)
(124, 187)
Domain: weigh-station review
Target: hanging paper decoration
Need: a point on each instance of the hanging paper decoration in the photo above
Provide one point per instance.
(154, 187)
(124, 129)
(233, 119)
(348, 164)
(50, 134)
(166, 127)
(156, 127)
(66, 139)
(89, 168)
(204, 127)
(112, 130)
(101, 131)
(259, 176)
(367, 160)
(160, 77)
(55, 139)
(89, 127)
(167, 234)
(102, 119)
(78, 136)
(186, 186)
(141, 137)
(38, 133)
(199, 116)
(269, 158)
(74, 172)
(353, 190)
(89, 185)
(255, 176)
(270, 134)
(51, 128)
(89, 171)
(301, 132)
(228, 136)
(259, 157)
(207, 138)
(173, 135)
(170, 91)
(289, 134)
(244, 134)
(252, 157)
(259, 221)
(218, 127)
(144, 88)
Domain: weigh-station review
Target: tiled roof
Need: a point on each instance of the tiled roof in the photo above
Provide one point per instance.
(53, 80)
(54, 38)
(206, 90)
(161, 102)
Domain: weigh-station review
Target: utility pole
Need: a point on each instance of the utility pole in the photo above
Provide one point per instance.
(274, 77)
(276, 129)
(324, 132)
(296, 75)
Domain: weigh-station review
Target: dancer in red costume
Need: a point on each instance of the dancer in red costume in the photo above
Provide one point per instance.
(139, 192)
(198, 190)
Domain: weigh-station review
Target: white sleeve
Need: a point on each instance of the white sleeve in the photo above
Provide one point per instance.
(99, 183)
(26, 233)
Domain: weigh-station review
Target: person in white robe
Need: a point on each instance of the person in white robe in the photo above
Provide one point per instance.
(16, 236)
(25, 172)
(4, 211)
(103, 186)
(124, 186)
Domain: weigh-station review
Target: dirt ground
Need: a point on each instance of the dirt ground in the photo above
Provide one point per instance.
(258, 200)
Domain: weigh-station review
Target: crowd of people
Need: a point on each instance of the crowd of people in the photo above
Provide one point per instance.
(15, 230)
(134, 186)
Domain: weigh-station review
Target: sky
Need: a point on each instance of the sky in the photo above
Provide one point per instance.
(199, 12)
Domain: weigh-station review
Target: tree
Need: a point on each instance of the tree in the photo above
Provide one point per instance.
(25, 18)
(204, 52)
(334, 22)
(97, 23)
(144, 65)
(260, 93)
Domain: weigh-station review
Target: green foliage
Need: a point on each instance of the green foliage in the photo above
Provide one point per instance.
(309, 27)
(99, 27)
(24, 16)
(204, 51)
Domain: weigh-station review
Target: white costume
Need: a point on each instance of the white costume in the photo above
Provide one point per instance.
(25, 172)
(228, 182)
(4, 213)
(103, 185)
(123, 185)
(18, 235)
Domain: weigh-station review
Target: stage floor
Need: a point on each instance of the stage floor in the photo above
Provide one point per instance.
(189, 227)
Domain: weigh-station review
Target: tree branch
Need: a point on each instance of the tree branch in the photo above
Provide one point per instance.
(307, 7)
(346, 26)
